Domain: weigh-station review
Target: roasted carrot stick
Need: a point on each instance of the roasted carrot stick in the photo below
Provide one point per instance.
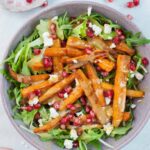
(89, 92)
(56, 88)
(57, 64)
(50, 124)
(105, 64)
(91, 72)
(126, 116)
(27, 79)
(77, 43)
(122, 46)
(130, 93)
(69, 51)
(41, 86)
(120, 90)
(73, 96)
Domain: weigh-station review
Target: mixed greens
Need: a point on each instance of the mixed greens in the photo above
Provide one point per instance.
(64, 79)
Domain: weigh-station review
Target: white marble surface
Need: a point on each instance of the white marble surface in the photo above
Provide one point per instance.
(11, 22)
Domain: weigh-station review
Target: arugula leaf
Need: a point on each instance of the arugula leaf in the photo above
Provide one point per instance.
(17, 95)
(64, 28)
(80, 30)
(96, 144)
(60, 143)
(136, 40)
(121, 131)
(91, 134)
(82, 145)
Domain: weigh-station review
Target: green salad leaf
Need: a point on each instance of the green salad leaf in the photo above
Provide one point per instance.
(42, 27)
(91, 134)
(121, 131)
(96, 144)
(136, 40)
(82, 145)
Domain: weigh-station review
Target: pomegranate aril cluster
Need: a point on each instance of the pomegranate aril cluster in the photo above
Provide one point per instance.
(133, 3)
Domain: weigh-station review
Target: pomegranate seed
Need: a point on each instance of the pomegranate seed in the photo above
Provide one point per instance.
(83, 100)
(37, 92)
(88, 50)
(63, 126)
(64, 74)
(116, 40)
(89, 119)
(87, 109)
(53, 28)
(45, 4)
(92, 114)
(31, 95)
(132, 66)
(37, 116)
(90, 32)
(136, 2)
(64, 120)
(29, 1)
(104, 73)
(130, 4)
(122, 37)
(98, 68)
(37, 106)
(63, 43)
(109, 93)
(61, 94)
(27, 108)
(36, 51)
(71, 107)
(54, 36)
(76, 122)
(56, 105)
(130, 17)
(145, 61)
(75, 144)
(70, 116)
(47, 62)
(119, 32)
(68, 89)
(110, 1)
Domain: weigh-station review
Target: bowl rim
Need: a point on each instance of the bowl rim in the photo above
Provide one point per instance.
(48, 8)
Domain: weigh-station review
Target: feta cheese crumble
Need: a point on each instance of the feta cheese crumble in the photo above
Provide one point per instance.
(40, 121)
(139, 76)
(113, 45)
(108, 128)
(34, 101)
(47, 40)
(89, 10)
(97, 30)
(107, 100)
(68, 144)
(79, 113)
(74, 61)
(53, 77)
(53, 113)
(73, 134)
(66, 95)
(107, 29)
(133, 106)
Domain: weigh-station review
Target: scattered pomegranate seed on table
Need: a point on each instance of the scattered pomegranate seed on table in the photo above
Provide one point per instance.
(45, 4)
(29, 1)
(136, 2)
(130, 17)
(110, 1)
(130, 5)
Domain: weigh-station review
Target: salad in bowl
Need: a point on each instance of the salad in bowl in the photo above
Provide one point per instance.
(74, 79)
